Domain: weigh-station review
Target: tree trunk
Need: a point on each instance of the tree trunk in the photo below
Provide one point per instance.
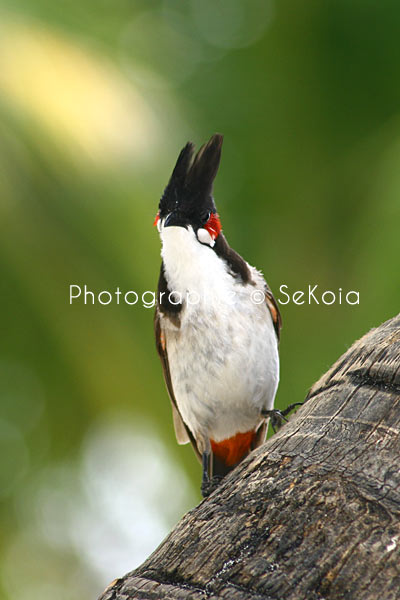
(312, 514)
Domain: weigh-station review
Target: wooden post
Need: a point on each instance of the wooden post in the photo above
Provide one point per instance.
(313, 514)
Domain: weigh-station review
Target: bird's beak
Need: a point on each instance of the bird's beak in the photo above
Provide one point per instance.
(175, 219)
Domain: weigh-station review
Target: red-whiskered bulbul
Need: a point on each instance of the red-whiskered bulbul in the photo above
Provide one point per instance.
(217, 323)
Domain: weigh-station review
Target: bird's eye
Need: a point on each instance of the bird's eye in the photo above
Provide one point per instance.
(205, 216)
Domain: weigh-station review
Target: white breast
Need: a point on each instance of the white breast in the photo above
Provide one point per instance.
(224, 357)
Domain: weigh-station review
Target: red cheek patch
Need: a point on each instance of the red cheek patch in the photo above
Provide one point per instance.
(213, 226)
(156, 219)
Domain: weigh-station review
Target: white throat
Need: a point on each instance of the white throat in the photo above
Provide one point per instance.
(191, 266)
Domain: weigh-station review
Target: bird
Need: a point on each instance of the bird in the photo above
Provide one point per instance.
(217, 324)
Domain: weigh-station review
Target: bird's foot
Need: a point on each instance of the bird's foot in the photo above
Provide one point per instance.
(209, 485)
(278, 417)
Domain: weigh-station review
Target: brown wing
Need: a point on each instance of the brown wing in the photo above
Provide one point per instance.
(274, 310)
(182, 432)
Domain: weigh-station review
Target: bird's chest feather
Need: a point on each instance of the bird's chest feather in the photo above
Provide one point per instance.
(223, 358)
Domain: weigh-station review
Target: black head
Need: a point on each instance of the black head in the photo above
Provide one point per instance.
(187, 199)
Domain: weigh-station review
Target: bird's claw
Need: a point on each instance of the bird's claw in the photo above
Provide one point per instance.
(278, 417)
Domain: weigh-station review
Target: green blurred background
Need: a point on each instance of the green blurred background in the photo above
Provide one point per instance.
(96, 100)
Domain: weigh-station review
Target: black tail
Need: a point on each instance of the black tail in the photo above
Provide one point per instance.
(218, 468)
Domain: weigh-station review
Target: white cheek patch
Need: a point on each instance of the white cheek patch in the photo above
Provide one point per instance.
(204, 237)
(159, 225)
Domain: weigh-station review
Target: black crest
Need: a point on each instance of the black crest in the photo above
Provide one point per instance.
(190, 187)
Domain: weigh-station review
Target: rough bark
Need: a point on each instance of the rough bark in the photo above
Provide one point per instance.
(313, 514)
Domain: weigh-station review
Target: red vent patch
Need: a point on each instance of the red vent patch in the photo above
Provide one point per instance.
(232, 450)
